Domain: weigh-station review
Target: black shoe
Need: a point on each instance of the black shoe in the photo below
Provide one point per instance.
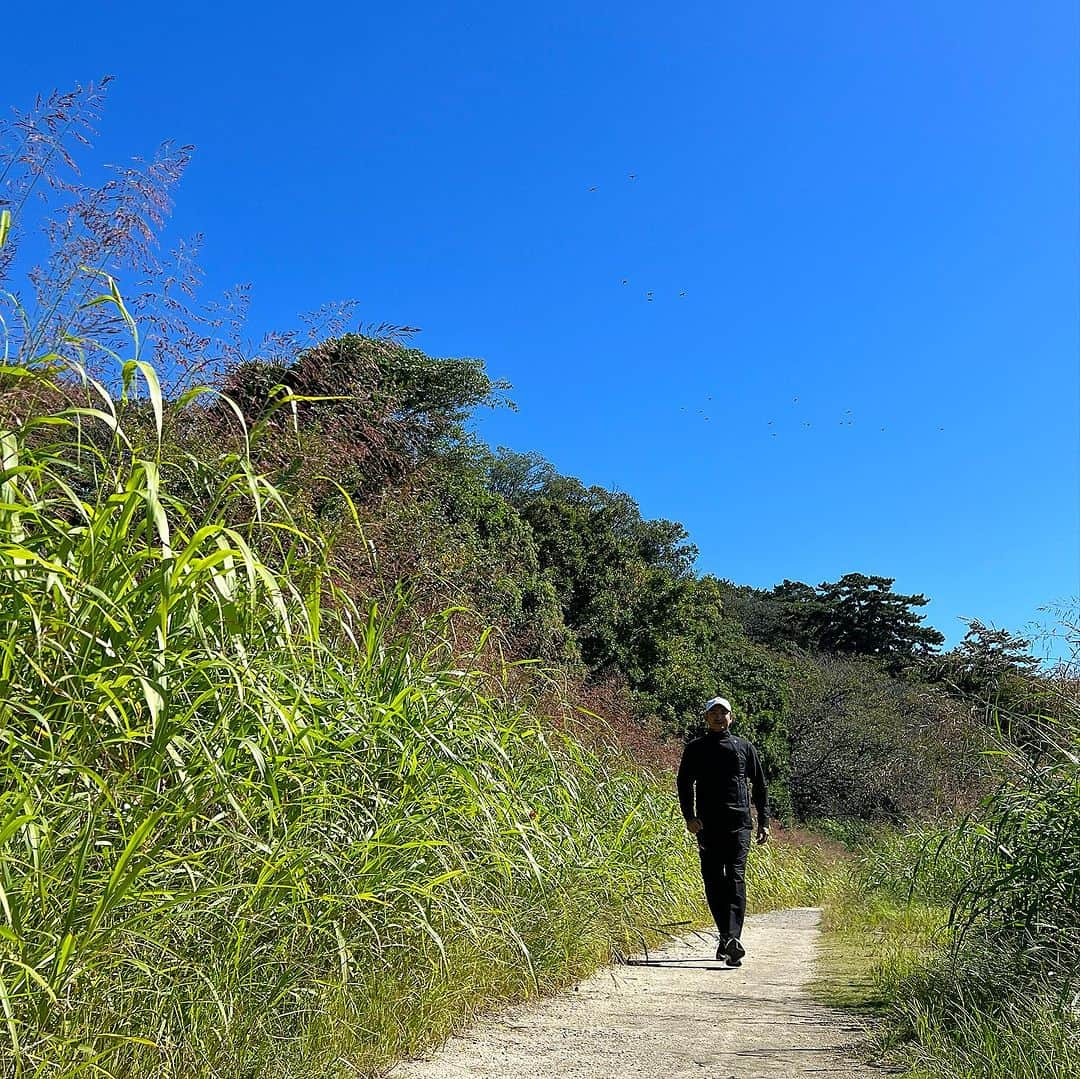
(721, 951)
(734, 951)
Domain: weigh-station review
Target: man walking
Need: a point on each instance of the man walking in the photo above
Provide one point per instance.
(712, 783)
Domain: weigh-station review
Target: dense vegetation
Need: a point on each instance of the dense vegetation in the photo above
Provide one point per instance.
(964, 934)
(243, 817)
(311, 703)
(246, 816)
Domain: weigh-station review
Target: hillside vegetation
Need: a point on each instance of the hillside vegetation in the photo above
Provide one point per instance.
(251, 827)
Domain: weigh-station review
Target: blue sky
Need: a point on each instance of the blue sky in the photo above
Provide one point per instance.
(872, 211)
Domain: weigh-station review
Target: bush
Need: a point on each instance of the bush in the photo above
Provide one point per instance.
(868, 746)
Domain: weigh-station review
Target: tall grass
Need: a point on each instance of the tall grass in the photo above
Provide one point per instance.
(246, 827)
(1006, 999)
(790, 873)
(963, 937)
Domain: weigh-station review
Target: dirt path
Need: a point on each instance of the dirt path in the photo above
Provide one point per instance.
(680, 1014)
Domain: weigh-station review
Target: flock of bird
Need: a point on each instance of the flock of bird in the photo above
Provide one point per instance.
(847, 420)
(650, 294)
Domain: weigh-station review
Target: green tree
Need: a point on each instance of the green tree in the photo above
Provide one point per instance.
(614, 571)
(380, 407)
(857, 615)
(864, 616)
(763, 617)
(700, 652)
(987, 661)
(519, 477)
(490, 553)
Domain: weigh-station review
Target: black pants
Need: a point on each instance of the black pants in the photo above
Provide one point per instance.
(723, 868)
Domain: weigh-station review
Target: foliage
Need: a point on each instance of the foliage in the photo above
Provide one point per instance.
(994, 672)
(863, 616)
(449, 540)
(977, 665)
(763, 618)
(380, 408)
(1024, 891)
(519, 477)
(857, 615)
(868, 746)
(945, 1012)
(611, 568)
(989, 987)
(629, 594)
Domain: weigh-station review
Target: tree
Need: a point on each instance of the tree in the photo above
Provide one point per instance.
(615, 573)
(873, 747)
(382, 408)
(518, 477)
(856, 615)
(451, 541)
(863, 616)
(985, 660)
(1001, 681)
(764, 618)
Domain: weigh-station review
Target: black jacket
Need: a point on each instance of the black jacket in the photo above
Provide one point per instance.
(713, 779)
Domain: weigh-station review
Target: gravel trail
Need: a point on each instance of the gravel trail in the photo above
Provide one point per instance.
(673, 1014)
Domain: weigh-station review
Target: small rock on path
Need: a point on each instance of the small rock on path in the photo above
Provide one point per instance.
(673, 1014)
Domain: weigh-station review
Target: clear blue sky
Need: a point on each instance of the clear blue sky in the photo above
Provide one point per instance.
(872, 210)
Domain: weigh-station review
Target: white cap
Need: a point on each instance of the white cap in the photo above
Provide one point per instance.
(723, 702)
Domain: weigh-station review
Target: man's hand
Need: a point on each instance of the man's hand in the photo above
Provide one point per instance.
(763, 835)
(693, 826)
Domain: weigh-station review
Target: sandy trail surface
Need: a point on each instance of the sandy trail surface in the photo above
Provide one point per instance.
(674, 1013)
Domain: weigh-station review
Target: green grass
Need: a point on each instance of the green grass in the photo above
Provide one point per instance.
(871, 944)
(941, 1008)
(783, 873)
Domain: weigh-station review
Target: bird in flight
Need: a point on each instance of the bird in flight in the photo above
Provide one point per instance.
(633, 176)
(594, 189)
(682, 293)
(625, 282)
